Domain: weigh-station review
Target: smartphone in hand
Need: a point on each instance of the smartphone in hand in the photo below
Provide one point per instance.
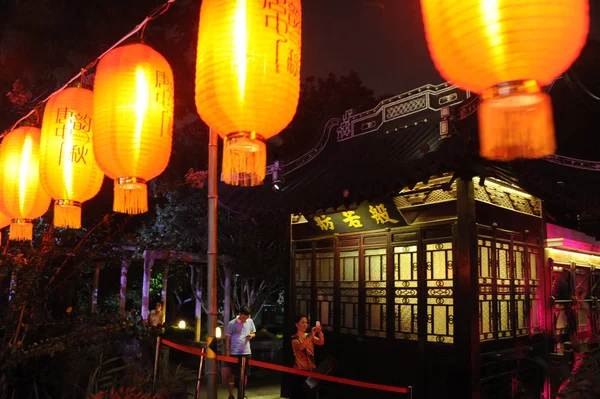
(318, 325)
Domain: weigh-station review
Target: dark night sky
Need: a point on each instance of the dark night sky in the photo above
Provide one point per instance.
(383, 40)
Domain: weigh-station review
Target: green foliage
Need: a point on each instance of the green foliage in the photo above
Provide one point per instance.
(105, 377)
(156, 283)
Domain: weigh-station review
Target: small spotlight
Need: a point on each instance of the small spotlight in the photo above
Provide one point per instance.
(278, 176)
(218, 332)
(182, 324)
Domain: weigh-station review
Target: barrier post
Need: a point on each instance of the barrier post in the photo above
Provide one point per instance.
(199, 381)
(410, 391)
(242, 382)
(156, 358)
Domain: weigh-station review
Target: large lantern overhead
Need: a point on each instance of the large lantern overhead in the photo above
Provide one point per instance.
(507, 50)
(133, 121)
(248, 78)
(68, 169)
(22, 197)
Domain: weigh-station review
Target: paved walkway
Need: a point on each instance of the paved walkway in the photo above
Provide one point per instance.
(253, 391)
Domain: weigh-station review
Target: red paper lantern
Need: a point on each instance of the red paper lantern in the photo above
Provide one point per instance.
(507, 50)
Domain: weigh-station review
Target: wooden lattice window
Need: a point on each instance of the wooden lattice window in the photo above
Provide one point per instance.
(375, 291)
(440, 292)
(349, 279)
(303, 267)
(324, 282)
(406, 285)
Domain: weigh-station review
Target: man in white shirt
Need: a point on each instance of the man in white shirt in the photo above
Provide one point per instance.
(156, 316)
(238, 334)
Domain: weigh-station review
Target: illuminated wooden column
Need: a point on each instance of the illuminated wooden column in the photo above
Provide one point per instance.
(149, 258)
(123, 292)
(466, 303)
(94, 304)
(163, 293)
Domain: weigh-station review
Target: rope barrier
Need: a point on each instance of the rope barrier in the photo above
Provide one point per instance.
(290, 370)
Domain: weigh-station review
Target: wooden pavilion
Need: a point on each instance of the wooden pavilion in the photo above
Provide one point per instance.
(426, 264)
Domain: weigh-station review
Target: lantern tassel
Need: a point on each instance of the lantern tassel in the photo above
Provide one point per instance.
(21, 230)
(130, 196)
(244, 160)
(515, 121)
(67, 214)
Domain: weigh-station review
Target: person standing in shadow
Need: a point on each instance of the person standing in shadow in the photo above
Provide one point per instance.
(303, 345)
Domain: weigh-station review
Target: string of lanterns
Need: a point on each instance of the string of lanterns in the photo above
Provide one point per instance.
(247, 89)
(123, 128)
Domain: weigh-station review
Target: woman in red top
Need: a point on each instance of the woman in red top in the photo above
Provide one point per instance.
(303, 345)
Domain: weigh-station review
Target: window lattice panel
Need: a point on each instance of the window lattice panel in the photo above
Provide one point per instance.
(324, 281)
(375, 290)
(406, 287)
(486, 298)
(349, 291)
(303, 267)
(504, 289)
(440, 292)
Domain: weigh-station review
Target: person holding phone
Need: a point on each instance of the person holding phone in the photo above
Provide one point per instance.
(303, 345)
(237, 344)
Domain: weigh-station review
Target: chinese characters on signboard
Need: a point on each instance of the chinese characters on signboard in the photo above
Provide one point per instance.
(366, 216)
(284, 16)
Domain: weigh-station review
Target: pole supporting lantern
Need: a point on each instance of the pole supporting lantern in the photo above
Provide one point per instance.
(211, 255)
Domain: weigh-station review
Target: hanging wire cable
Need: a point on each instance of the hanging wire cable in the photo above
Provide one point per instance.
(157, 12)
(580, 89)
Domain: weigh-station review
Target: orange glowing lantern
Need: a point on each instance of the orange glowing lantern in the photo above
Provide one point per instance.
(68, 169)
(133, 121)
(22, 197)
(507, 50)
(248, 78)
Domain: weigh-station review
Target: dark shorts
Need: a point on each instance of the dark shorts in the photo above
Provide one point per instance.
(235, 367)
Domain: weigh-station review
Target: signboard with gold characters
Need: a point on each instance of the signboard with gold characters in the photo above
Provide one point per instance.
(368, 216)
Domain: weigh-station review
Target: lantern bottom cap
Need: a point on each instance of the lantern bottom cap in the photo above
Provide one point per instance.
(130, 195)
(244, 159)
(21, 230)
(67, 214)
(516, 124)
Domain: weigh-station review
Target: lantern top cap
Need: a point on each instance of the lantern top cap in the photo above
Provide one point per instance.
(80, 85)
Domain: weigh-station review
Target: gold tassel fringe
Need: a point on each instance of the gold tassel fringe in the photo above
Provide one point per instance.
(67, 214)
(21, 230)
(516, 123)
(244, 160)
(130, 196)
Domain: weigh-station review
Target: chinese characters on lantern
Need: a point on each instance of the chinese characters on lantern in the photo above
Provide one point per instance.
(74, 129)
(285, 18)
(164, 96)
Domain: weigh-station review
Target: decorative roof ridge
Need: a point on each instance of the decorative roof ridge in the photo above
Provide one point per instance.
(427, 98)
